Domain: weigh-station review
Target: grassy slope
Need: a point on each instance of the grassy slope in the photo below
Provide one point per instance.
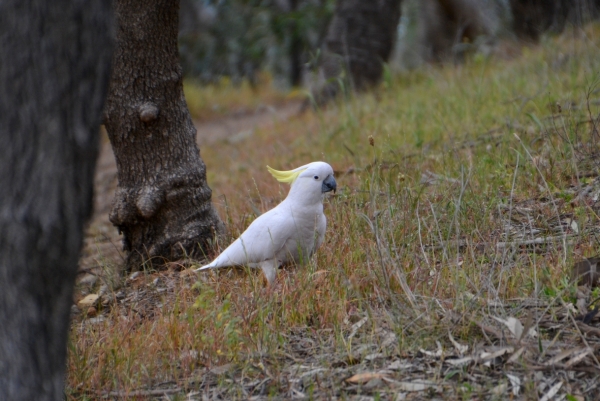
(453, 123)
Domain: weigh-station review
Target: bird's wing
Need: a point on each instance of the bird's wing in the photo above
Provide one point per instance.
(261, 241)
(321, 228)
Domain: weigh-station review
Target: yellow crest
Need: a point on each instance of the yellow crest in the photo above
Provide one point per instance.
(286, 176)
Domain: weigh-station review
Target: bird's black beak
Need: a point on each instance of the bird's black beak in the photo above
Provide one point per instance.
(329, 184)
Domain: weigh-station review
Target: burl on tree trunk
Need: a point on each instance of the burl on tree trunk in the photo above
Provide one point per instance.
(163, 203)
(360, 38)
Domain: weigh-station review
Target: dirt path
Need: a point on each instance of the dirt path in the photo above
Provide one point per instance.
(102, 246)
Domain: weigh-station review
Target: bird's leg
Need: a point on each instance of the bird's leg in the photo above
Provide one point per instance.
(269, 268)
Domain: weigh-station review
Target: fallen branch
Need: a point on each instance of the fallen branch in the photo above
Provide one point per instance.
(141, 393)
(588, 329)
(535, 241)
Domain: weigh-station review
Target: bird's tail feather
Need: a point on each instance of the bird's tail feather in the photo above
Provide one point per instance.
(205, 267)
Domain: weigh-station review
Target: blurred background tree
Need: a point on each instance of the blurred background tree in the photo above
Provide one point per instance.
(239, 38)
(290, 39)
(360, 39)
(532, 18)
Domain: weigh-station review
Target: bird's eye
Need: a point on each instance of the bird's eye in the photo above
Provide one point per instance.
(316, 177)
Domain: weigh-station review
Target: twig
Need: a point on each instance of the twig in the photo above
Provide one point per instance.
(559, 366)
(141, 393)
(540, 240)
(488, 329)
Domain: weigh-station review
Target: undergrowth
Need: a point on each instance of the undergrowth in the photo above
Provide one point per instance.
(432, 169)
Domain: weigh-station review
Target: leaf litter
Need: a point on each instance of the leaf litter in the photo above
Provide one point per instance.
(557, 357)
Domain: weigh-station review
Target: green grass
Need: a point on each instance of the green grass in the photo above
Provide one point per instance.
(398, 250)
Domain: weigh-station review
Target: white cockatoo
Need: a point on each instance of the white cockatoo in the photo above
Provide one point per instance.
(289, 233)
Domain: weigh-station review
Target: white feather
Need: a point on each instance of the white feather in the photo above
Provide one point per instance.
(290, 232)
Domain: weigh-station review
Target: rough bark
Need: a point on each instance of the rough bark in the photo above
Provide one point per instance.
(163, 203)
(55, 60)
(360, 38)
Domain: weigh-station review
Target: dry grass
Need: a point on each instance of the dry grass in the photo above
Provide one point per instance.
(425, 236)
(225, 98)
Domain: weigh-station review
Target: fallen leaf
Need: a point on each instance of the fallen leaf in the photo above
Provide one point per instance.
(514, 357)
(437, 353)
(516, 327)
(89, 301)
(357, 326)
(574, 226)
(582, 353)
(459, 361)
(459, 347)
(515, 382)
(562, 355)
(400, 365)
(495, 353)
(361, 378)
(489, 357)
(219, 370)
(552, 392)
(500, 389)
(389, 339)
(372, 357)
(416, 385)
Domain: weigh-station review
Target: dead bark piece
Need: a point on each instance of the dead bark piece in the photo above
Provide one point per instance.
(162, 205)
(588, 329)
(586, 272)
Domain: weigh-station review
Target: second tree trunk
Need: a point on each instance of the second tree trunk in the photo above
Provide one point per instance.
(163, 203)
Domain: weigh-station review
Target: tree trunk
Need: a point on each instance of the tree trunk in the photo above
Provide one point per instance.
(531, 18)
(295, 46)
(53, 79)
(582, 11)
(359, 40)
(163, 203)
(444, 25)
